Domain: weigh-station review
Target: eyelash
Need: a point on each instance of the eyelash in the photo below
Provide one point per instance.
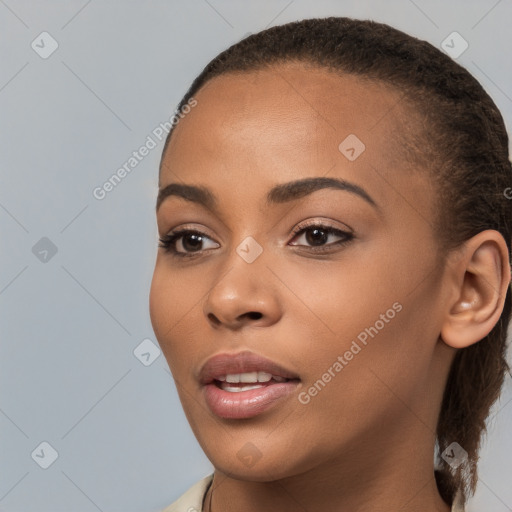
(168, 242)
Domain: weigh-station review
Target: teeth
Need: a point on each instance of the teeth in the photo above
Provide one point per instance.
(264, 377)
(249, 377)
(238, 389)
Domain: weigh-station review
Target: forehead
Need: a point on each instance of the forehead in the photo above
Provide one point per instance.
(291, 121)
(295, 92)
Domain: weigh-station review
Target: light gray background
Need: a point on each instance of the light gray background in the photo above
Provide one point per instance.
(69, 325)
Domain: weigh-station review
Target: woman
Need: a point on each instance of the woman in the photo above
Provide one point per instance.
(332, 290)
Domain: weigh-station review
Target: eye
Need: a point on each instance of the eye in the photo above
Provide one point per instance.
(316, 235)
(185, 242)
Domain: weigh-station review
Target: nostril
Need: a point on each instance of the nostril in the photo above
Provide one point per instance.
(213, 318)
(255, 315)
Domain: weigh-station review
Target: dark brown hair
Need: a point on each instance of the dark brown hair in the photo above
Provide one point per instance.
(460, 138)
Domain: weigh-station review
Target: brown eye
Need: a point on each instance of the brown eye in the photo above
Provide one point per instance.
(316, 236)
(185, 242)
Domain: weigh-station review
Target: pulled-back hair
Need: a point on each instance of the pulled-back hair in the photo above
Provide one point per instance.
(460, 138)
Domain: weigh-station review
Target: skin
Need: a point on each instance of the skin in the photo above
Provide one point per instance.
(366, 441)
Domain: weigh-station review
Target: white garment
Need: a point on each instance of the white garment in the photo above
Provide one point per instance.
(192, 500)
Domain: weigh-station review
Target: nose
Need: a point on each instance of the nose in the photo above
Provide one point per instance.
(245, 294)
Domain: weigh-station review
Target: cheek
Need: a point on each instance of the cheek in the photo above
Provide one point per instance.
(165, 310)
(158, 303)
(171, 298)
(363, 311)
(352, 386)
(339, 299)
(174, 306)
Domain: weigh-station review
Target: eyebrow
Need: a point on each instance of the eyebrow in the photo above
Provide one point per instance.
(282, 193)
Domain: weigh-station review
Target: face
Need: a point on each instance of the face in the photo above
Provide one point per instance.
(329, 288)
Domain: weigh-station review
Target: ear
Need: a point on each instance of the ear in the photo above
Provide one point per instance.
(478, 283)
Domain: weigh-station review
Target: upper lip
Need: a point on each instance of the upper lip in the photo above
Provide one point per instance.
(242, 362)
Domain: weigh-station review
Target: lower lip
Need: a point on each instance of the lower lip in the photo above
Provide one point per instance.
(246, 404)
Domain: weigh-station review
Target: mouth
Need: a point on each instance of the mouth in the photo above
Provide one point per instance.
(238, 382)
(244, 385)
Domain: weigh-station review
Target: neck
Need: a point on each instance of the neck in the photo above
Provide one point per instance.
(395, 474)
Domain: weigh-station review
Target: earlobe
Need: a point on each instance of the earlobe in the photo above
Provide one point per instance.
(479, 282)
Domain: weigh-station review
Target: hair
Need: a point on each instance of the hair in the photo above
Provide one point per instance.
(460, 138)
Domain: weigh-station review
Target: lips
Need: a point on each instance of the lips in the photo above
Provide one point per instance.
(244, 385)
(222, 365)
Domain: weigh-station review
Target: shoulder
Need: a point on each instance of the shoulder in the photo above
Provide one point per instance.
(192, 499)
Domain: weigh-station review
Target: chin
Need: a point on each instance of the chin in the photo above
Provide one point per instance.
(249, 463)
(260, 472)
